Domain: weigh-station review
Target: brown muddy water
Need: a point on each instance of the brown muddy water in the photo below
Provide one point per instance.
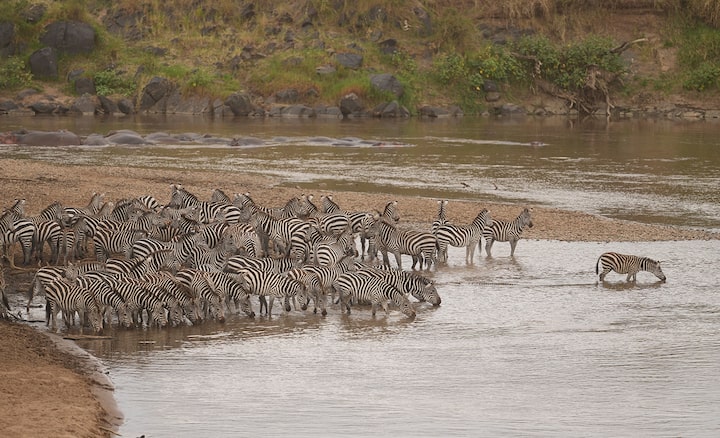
(524, 346)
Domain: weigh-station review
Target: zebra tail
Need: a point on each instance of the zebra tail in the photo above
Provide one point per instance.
(47, 312)
(5, 300)
(597, 266)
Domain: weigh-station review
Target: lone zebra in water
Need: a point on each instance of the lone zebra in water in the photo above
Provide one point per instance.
(627, 264)
(503, 231)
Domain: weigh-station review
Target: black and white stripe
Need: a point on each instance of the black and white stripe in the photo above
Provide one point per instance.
(504, 231)
(364, 288)
(627, 264)
(468, 236)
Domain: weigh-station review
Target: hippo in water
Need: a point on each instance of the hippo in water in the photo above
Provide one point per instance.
(47, 138)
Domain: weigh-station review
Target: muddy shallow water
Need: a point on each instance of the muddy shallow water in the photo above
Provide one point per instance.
(530, 345)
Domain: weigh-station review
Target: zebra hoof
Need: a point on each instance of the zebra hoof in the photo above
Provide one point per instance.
(221, 319)
(288, 308)
(324, 312)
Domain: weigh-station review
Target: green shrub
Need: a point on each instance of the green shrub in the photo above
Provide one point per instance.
(14, 74)
(109, 82)
(703, 77)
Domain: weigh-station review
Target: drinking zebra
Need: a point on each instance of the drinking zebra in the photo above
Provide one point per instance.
(363, 288)
(409, 283)
(504, 231)
(264, 283)
(71, 298)
(627, 264)
(468, 236)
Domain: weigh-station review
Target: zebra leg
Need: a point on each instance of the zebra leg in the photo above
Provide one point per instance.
(263, 303)
(513, 244)
(488, 246)
(632, 276)
(398, 259)
(605, 271)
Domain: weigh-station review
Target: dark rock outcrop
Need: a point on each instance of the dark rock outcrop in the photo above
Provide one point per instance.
(386, 82)
(7, 38)
(44, 63)
(155, 94)
(69, 37)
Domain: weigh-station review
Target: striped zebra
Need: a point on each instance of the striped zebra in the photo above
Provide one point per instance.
(360, 221)
(48, 224)
(48, 274)
(229, 286)
(108, 242)
(410, 283)
(208, 211)
(238, 262)
(422, 246)
(107, 298)
(140, 299)
(70, 298)
(364, 288)
(269, 284)
(211, 259)
(441, 218)
(211, 302)
(14, 229)
(4, 304)
(71, 214)
(179, 296)
(468, 236)
(504, 231)
(627, 264)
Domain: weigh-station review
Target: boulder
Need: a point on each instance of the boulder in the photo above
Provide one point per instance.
(155, 94)
(84, 85)
(44, 63)
(69, 37)
(43, 107)
(386, 82)
(240, 104)
(350, 104)
(390, 110)
(85, 104)
(107, 105)
(126, 106)
(7, 39)
(352, 61)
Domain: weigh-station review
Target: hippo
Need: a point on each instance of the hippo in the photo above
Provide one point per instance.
(47, 138)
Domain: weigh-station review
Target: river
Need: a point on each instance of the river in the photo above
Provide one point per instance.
(530, 345)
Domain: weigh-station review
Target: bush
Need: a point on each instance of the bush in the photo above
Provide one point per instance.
(109, 82)
(14, 74)
(703, 77)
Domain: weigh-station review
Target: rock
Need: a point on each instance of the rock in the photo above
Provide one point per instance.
(390, 110)
(154, 95)
(350, 104)
(85, 105)
(126, 106)
(426, 27)
(69, 37)
(325, 69)
(386, 82)
(44, 63)
(352, 61)
(44, 107)
(107, 105)
(8, 105)
(288, 95)
(492, 96)
(240, 104)
(34, 13)
(7, 39)
(84, 85)
(388, 46)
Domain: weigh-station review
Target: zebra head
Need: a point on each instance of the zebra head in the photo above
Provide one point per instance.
(653, 266)
(524, 219)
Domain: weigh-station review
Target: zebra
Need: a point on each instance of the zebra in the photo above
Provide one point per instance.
(71, 214)
(4, 304)
(422, 246)
(107, 297)
(71, 298)
(108, 242)
(211, 258)
(468, 236)
(238, 262)
(227, 285)
(15, 229)
(130, 268)
(441, 218)
(208, 211)
(139, 298)
(360, 221)
(409, 283)
(363, 288)
(503, 231)
(201, 288)
(48, 274)
(264, 283)
(627, 264)
(178, 295)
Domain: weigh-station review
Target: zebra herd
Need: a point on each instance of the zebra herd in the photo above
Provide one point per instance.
(138, 263)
